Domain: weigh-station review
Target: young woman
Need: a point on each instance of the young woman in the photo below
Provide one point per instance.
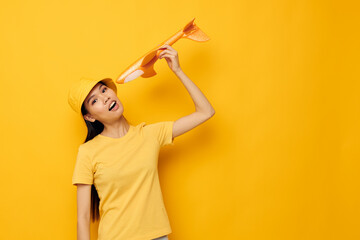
(116, 167)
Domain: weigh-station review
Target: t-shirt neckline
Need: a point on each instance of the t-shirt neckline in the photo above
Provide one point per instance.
(120, 138)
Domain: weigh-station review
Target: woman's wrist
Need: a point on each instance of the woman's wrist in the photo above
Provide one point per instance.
(177, 71)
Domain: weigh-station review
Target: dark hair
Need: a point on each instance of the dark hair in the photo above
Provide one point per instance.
(94, 128)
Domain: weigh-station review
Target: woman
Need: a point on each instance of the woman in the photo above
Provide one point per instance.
(116, 167)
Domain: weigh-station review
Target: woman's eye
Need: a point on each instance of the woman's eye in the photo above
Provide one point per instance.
(95, 99)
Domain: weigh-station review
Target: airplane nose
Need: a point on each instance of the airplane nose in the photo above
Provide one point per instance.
(134, 75)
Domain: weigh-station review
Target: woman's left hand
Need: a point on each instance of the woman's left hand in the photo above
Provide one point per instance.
(171, 57)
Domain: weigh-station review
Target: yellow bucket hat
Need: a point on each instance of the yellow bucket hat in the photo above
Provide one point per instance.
(80, 89)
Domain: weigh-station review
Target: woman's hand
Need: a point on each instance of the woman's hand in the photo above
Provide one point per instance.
(171, 57)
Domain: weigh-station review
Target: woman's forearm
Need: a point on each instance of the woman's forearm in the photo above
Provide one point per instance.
(83, 229)
(199, 99)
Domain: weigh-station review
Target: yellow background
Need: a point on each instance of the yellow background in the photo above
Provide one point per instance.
(279, 159)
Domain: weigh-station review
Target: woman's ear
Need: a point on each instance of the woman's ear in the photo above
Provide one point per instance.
(89, 118)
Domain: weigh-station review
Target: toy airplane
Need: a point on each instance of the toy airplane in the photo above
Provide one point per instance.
(144, 66)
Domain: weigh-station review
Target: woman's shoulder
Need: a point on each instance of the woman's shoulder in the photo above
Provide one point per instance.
(89, 145)
(85, 146)
(146, 127)
(141, 125)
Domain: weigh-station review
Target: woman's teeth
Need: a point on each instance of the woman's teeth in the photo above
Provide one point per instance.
(112, 105)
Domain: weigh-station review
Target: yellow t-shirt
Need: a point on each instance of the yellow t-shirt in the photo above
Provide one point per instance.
(124, 172)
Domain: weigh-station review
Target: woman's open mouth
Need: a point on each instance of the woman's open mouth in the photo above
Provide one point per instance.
(114, 106)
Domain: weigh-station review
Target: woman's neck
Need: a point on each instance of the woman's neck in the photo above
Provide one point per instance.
(117, 129)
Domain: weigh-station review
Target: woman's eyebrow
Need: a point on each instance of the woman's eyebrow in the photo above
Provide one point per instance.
(93, 94)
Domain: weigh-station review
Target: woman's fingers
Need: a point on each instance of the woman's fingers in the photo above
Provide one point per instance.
(168, 47)
(164, 51)
(162, 54)
(171, 56)
(166, 55)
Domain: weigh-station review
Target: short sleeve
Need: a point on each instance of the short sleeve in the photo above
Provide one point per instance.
(163, 132)
(83, 170)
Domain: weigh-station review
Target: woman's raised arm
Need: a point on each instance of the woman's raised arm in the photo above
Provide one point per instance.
(203, 108)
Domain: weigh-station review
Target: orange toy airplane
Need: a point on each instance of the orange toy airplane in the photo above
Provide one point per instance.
(144, 66)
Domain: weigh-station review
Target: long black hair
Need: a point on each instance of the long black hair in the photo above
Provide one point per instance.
(94, 128)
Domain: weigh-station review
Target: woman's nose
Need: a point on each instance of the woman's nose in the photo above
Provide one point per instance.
(106, 98)
(102, 98)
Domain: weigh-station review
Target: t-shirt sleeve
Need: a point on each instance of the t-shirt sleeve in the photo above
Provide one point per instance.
(163, 132)
(83, 170)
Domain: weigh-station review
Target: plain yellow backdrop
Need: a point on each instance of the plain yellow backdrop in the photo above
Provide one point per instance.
(278, 160)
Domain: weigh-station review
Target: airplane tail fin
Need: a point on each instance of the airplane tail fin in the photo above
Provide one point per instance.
(193, 32)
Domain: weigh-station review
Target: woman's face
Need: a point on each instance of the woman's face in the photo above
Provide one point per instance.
(98, 102)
